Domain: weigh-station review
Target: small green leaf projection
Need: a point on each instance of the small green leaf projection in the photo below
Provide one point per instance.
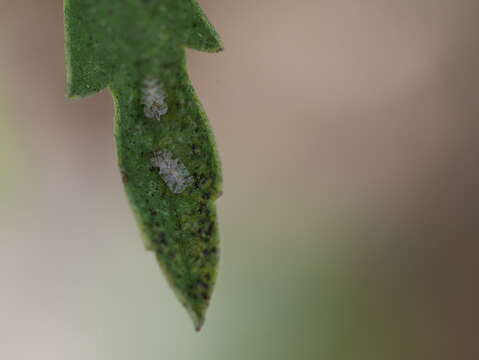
(166, 150)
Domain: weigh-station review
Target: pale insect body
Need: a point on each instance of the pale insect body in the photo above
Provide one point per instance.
(154, 99)
(172, 171)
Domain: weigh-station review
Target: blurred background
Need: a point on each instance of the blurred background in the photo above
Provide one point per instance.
(348, 132)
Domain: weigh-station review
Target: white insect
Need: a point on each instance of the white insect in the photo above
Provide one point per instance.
(154, 99)
(172, 171)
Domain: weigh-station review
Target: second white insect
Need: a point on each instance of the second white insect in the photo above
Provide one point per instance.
(154, 99)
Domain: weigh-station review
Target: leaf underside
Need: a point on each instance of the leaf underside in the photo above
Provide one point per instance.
(166, 150)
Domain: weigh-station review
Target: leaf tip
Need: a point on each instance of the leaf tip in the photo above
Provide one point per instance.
(197, 315)
(199, 324)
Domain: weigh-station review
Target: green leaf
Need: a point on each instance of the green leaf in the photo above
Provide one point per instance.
(166, 150)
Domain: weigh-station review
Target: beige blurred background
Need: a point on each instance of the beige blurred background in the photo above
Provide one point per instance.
(348, 132)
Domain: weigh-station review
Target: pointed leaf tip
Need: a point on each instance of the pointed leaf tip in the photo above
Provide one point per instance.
(197, 313)
(199, 322)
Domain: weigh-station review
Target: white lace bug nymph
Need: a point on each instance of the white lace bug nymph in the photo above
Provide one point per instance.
(172, 171)
(154, 99)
